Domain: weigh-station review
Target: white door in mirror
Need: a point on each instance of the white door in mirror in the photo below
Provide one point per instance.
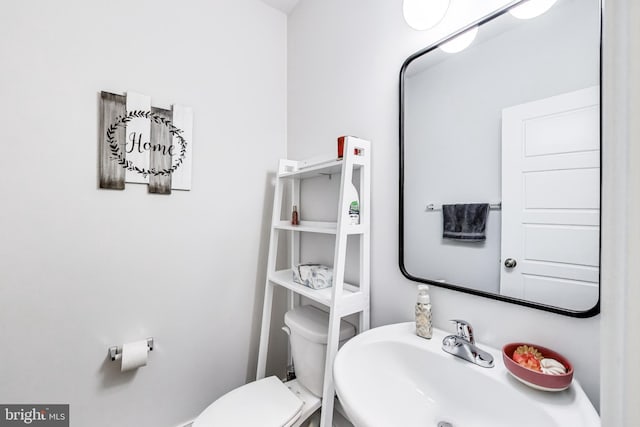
(551, 200)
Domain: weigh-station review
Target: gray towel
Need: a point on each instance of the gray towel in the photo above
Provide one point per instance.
(465, 222)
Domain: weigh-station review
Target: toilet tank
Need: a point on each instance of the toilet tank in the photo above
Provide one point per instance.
(309, 330)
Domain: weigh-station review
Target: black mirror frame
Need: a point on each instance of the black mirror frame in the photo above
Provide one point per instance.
(593, 311)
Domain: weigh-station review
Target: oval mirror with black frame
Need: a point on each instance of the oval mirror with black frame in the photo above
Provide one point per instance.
(500, 158)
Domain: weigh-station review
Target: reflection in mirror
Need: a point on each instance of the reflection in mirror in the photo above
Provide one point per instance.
(512, 122)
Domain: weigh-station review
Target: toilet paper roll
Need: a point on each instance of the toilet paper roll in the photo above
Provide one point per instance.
(134, 355)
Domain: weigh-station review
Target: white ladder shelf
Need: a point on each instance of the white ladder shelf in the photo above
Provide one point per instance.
(342, 299)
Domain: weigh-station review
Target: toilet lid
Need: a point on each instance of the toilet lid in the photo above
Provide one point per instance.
(266, 402)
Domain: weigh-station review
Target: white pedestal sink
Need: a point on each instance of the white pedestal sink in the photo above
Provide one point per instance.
(388, 376)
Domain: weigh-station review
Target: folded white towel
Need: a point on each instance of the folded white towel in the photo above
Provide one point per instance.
(315, 276)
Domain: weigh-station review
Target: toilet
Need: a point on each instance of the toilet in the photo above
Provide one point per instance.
(269, 402)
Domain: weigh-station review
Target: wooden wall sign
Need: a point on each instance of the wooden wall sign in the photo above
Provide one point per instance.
(143, 144)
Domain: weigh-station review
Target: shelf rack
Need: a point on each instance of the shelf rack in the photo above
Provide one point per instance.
(342, 299)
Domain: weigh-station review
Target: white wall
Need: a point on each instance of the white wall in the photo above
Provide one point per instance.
(620, 211)
(344, 60)
(81, 268)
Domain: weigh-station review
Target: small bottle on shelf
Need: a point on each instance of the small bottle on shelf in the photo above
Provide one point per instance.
(354, 204)
(294, 216)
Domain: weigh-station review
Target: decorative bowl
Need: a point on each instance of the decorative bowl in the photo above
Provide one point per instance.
(535, 379)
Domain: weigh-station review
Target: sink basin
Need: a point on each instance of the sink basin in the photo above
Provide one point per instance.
(388, 376)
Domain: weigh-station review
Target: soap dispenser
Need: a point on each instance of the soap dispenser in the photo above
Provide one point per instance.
(424, 324)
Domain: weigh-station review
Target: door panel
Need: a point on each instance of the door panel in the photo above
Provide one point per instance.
(569, 132)
(562, 189)
(562, 244)
(548, 290)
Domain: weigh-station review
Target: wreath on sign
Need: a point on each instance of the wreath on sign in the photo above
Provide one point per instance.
(118, 156)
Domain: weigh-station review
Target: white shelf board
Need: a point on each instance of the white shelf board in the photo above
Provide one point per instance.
(326, 168)
(319, 227)
(309, 226)
(284, 278)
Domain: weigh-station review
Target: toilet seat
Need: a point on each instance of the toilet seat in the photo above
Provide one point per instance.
(266, 402)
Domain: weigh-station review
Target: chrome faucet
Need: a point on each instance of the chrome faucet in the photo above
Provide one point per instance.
(463, 345)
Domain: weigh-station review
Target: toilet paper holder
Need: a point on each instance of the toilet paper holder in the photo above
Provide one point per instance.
(115, 352)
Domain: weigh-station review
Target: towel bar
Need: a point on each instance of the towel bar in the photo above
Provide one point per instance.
(431, 207)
